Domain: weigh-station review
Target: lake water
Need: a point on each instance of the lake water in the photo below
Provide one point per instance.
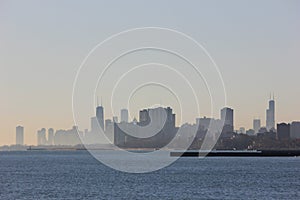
(77, 175)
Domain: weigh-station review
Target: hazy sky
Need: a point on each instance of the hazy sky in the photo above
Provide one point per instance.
(256, 45)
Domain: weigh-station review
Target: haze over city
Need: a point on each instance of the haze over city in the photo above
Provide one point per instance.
(152, 99)
(256, 54)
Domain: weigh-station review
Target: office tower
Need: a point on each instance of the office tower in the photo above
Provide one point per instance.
(108, 123)
(295, 130)
(100, 116)
(109, 129)
(50, 136)
(283, 131)
(19, 135)
(124, 115)
(41, 137)
(144, 117)
(270, 115)
(94, 125)
(227, 119)
(256, 125)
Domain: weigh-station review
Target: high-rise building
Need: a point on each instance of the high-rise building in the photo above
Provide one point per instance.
(19, 135)
(100, 116)
(295, 130)
(50, 136)
(109, 129)
(270, 115)
(227, 119)
(94, 125)
(41, 137)
(124, 115)
(144, 117)
(283, 131)
(256, 125)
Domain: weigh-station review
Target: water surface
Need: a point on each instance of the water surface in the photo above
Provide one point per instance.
(77, 175)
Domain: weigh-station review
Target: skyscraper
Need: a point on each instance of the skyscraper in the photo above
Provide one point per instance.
(227, 119)
(41, 137)
(100, 116)
(94, 125)
(256, 125)
(109, 129)
(50, 136)
(270, 115)
(19, 135)
(124, 115)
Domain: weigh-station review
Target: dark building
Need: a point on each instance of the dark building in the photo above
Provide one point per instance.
(295, 130)
(100, 116)
(227, 119)
(270, 115)
(283, 131)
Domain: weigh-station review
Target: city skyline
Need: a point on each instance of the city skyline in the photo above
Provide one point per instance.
(40, 55)
(150, 99)
(107, 125)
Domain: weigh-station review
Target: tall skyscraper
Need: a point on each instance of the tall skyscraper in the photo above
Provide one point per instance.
(124, 115)
(109, 129)
(100, 116)
(50, 136)
(227, 119)
(41, 137)
(94, 125)
(270, 115)
(19, 135)
(256, 125)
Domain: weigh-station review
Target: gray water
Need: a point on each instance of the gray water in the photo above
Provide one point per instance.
(77, 175)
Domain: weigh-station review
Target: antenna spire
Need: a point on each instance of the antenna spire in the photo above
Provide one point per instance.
(97, 101)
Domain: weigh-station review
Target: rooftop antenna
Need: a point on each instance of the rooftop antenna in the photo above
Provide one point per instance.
(101, 101)
(273, 96)
(97, 101)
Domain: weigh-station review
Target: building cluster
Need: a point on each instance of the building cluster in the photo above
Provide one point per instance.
(156, 128)
(60, 137)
